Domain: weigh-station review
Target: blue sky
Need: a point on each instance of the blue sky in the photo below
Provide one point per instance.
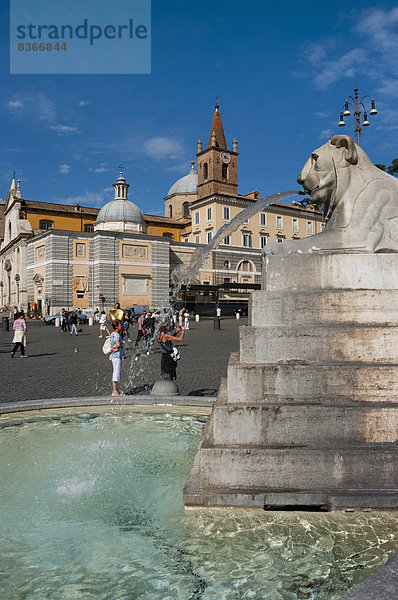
(281, 70)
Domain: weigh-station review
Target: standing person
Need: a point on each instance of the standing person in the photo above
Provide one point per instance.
(186, 319)
(168, 364)
(126, 325)
(67, 320)
(103, 324)
(181, 316)
(73, 322)
(141, 332)
(19, 339)
(116, 355)
(97, 315)
(148, 326)
(62, 319)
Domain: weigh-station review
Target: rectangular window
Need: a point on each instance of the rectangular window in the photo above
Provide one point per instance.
(209, 236)
(209, 213)
(185, 240)
(279, 239)
(295, 225)
(227, 240)
(310, 227)
(279, 222)
(197, 218)
(263, 241)
(263, 219)
(197, 238)
(225, 214)
(246, 240)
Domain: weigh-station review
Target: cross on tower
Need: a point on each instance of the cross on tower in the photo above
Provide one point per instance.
(121, 168)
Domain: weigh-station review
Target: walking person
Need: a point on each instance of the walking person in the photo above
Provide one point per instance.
(103, 324)
(168, 364)
(181, 317)
(186, 320)
(141, 332)
(148, 326)
(116, 355)
(19, 339)
(126, 325)
(73, 322)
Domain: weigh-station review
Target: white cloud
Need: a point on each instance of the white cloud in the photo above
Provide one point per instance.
(92, 199)
(326, 134)
(45, 108)
(64, 169)
(347, 65)
(15, 104)
(64, 129)
(159, 147)
(101, 169)
(83, 103)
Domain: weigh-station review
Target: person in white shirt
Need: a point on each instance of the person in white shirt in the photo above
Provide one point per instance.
(103, 324)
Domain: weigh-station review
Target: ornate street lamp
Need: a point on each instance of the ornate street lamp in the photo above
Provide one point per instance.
(357, 105)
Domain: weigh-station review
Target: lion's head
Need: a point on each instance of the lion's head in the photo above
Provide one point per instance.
(319, 174)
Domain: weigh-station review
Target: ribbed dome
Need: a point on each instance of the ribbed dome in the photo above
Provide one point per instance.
(186, 185)
(120, 210)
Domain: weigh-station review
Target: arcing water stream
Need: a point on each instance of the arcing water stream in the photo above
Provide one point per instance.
(186, 274)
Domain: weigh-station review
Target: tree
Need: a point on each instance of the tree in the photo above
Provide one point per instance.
(392, 169)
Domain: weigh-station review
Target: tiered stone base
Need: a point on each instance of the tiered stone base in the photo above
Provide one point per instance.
(308, 415)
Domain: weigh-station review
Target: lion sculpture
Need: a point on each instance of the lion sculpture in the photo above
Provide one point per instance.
(360, 201)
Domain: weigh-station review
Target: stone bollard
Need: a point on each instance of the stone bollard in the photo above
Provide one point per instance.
(165, 387)
(56, 322)
(197, 318)
(237, 315)
(90, 321)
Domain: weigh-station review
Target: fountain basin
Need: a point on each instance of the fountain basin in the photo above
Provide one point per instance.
(92, 507)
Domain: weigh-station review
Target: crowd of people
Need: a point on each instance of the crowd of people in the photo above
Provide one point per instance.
(169, 332)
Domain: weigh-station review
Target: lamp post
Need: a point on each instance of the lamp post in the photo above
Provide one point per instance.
(357, 105)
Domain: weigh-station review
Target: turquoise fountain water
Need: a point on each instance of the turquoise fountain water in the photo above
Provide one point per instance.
(92, 508)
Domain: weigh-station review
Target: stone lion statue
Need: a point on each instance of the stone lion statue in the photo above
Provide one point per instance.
(360, 201)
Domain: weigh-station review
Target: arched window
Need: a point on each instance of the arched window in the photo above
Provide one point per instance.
(118, 191)
(224, 171)
(9, 230)
(45, 224)
(185, 209)
(170, 210)
(89, 228)
(205, 171)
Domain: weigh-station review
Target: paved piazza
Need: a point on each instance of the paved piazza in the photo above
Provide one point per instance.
(55, 370)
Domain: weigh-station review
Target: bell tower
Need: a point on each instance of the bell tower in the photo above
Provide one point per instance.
(217, 166)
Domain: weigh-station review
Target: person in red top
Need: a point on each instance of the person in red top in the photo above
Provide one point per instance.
(19, 339)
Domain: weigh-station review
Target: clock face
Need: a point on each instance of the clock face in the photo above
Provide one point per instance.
(225, 157)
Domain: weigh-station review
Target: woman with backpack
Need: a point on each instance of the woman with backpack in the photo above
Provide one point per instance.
(168, 364)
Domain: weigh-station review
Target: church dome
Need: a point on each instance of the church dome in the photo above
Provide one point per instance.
(120, 210)
(120, 214)
(186, 185)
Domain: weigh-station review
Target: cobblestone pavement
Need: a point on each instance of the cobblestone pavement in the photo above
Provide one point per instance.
(55, 370)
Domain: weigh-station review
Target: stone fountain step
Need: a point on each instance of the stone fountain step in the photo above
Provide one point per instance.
(321, 307)
(302, 499)
(319, 344)
(326, 383)
(358, 467)
(302, 424)
(331, 270)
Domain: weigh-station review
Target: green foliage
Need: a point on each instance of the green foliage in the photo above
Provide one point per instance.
(392, 169)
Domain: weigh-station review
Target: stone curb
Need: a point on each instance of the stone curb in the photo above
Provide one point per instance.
(200, 401)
